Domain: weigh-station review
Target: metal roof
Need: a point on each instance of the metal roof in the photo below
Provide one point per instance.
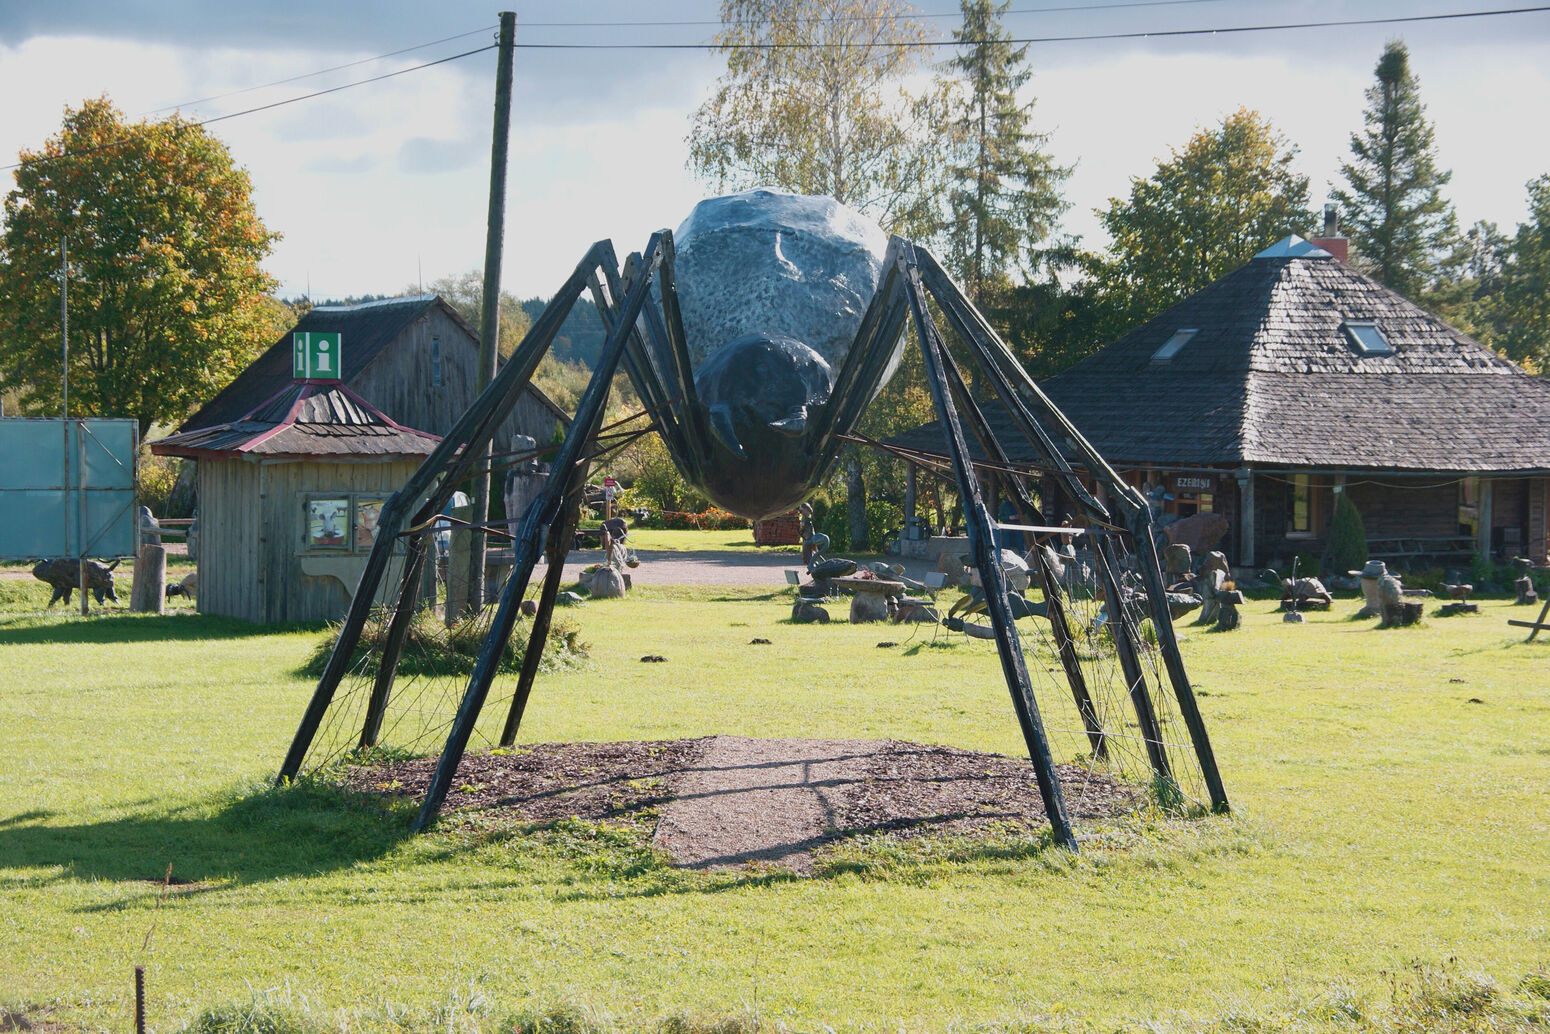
(304, 420)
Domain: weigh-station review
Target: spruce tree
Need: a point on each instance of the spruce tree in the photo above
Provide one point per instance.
(1004, 189)
(1399, 222)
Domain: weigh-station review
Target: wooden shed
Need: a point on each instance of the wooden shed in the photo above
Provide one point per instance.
(289, 495)
(413, 359)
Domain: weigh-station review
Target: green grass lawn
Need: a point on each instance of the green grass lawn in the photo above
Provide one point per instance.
(1387, 865)
(735, 541)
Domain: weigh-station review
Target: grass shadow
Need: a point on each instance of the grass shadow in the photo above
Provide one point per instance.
(267, 833)
(136, 628)
(873, 852)
(763, 598)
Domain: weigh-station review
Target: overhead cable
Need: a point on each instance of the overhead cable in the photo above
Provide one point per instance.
(870, 17)
(322, 71)
(263, 107)
(1077, 38)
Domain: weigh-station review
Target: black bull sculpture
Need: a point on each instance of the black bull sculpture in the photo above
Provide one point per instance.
(757, 427)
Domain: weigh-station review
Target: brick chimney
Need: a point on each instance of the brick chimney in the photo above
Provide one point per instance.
(1332, 242)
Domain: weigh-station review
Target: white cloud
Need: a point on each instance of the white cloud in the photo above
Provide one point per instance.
(373, 185)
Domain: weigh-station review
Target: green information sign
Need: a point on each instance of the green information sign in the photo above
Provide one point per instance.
(315, 356)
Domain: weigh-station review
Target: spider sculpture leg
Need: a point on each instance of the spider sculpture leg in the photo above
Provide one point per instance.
(1022, 397)
(986, 559)
(551, 514)
(431, 486)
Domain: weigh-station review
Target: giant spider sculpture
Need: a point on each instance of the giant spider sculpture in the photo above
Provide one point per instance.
(756, 419)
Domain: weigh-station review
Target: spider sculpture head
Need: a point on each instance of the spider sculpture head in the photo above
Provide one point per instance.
(773, 288)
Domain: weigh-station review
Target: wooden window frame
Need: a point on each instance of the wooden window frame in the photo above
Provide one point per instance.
(1311, 505)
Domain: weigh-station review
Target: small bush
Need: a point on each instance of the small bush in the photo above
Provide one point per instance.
(883, 519)
(155, 480)
(707, 520)
(257, 1017)
(431, 648)
(1347, 537)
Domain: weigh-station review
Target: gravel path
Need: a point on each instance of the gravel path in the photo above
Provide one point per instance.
(748, 800)
(712, 567)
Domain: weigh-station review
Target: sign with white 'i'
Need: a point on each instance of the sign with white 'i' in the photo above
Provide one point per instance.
(315, 357)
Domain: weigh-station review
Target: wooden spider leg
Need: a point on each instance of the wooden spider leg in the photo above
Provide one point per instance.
(434, 481)
(546, 514)
(670, 340)
(1055, 611)
(877, 347)
(1003, 372)
(1013, 385)
(387, 667)
(660, 359)
(981, 546)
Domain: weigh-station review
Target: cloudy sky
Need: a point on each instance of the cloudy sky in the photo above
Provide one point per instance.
(383, 185)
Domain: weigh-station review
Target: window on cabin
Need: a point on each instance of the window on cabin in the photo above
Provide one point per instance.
(1367, 339)
(1469, 506)
(1170, 348)
(435, 362)
(1302, 504)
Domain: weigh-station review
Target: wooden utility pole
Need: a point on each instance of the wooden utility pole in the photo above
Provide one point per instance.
(490, 316)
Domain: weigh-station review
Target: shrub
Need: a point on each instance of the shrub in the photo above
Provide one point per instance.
(155, 480)
(656, 479)
(431, 648)
(1347, 537)
(707, 520)
(883, 519)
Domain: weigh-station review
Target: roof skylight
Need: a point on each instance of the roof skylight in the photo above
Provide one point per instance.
(1170, 348)
(1367, 338)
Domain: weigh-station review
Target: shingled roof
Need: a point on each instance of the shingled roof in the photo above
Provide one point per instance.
(368, 328)
(1274, 377)
(304, 420)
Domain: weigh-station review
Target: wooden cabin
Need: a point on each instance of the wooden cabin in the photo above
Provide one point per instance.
(1292, 379)
(413, 359)
(289, 494)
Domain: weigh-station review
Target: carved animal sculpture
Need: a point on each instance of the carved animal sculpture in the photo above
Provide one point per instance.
(187, 586)
(64, 576)
(1200, 533)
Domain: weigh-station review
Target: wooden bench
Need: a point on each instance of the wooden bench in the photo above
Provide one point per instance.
(1405, 547)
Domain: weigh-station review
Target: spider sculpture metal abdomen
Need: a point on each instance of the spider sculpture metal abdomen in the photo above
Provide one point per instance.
(772, 288)
(756, 336)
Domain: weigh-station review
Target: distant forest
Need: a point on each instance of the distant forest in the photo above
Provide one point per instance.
(581, 335)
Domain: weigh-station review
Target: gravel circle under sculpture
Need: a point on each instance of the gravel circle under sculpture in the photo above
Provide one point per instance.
(727, 801)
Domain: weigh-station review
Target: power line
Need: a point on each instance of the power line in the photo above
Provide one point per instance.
(1078, 38)
(264, 107)
(347, 86)
(322, 71)
(870, 17)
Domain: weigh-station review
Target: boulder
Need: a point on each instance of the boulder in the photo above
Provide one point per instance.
(1177, 561)
(607, 584)
(804, 613)
(866, 607)
(1227, 617)
(1200, 533)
